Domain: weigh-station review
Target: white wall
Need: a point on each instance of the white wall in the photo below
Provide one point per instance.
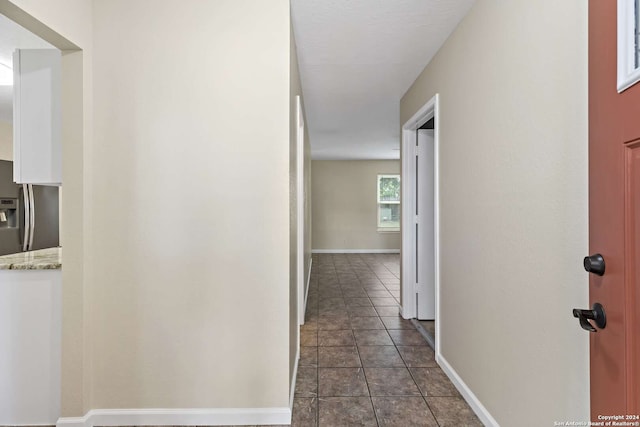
(191, 204)
(344, 205)
(512, 81)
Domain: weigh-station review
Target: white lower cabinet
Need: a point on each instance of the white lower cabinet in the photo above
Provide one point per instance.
(30, 346)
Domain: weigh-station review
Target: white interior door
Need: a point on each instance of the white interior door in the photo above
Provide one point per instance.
(425, 238)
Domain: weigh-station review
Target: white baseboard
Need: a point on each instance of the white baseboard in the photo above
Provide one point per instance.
(181, 417)
(475, 404)
(355, 251)
(73, 421)
(29, 425)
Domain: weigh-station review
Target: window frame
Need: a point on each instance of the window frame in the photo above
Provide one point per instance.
(628, 72)
(386, 228)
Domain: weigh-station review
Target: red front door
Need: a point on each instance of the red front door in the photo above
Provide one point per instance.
(614, 221)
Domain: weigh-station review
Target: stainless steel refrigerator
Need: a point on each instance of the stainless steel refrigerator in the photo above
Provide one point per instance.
(28, 214)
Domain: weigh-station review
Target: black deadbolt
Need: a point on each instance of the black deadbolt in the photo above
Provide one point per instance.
(594, 264)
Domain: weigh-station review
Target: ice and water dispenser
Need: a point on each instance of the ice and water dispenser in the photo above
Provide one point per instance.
(9, 213)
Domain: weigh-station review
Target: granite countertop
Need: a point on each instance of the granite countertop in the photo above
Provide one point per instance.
(42, 259)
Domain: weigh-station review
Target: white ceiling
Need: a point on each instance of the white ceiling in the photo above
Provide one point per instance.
(12, 37)
(357, 58)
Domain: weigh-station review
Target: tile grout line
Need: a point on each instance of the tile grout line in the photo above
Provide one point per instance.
(364, 373)
(424, 398)
(349, 268)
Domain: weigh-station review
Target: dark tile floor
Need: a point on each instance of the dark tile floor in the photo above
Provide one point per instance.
(361, 363)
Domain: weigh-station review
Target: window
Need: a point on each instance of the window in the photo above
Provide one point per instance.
(628, 43)
(388, 202)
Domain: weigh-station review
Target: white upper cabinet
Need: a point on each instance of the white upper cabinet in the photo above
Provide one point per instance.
(37, 124)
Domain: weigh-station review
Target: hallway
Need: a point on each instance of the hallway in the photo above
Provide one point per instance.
(360, 362)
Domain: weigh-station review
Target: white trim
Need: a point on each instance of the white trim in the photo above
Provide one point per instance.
(407, 224)
(426, 112)
(475, 404)
(629, 80)
(436, 214)
(628, 74)
(300, 210)
(74, 421)
(183, 417)
(30, 425)
(388, 230)
(355, 251)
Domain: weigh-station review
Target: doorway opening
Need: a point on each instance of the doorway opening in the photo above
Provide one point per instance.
(59, 373)
(420, 220)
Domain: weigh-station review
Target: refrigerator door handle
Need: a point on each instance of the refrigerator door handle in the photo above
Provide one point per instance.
(32, 218)
(27, 217)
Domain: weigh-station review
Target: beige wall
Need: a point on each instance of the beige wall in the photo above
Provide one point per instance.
(162, 310)
(6, 141)
(344, 204)
(512, 81)
(191, 203)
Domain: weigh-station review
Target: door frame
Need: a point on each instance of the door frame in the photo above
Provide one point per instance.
(300, 203)
(72, 213)
(408, 178)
